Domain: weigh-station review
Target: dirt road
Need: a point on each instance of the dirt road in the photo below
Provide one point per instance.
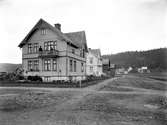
(118, 101)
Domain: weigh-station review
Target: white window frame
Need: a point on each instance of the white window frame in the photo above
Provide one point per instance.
(54, 65)
(30, 65)
(75, 66)
(35, 47)
(82, 67)
(30, 48)
(47, 65)
(43, 31)
(36, 65)
(71, 65)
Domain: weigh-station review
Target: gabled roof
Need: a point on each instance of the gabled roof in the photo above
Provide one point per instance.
(43, 24)
(79, 38)
(95, 52)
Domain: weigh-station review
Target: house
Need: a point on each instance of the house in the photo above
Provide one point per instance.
(130, 69)
(52, 54)
(112, 69)
(121, 70)
(106, 66)
(94, 62)
(143, 69)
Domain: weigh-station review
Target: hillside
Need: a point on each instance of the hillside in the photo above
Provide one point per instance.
(8, 67)
(155, 59)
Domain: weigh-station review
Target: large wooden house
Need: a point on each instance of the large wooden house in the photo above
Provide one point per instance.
(52, 54)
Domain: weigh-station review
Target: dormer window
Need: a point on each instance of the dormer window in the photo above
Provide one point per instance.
(43, 31)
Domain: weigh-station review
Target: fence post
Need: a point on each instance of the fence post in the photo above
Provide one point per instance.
(80, 83)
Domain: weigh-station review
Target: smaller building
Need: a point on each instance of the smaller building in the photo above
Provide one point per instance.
(143, 69)
(130, 69)
(108, 68)
(94, 62)
(121, 71)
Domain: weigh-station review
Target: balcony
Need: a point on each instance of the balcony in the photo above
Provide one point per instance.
(48, 54)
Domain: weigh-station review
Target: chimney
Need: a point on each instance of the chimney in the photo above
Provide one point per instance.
(58, 26)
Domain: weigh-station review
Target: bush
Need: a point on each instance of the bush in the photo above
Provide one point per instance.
(34, 78)
(19, 77)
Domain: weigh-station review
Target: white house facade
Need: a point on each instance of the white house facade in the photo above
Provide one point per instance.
(94, 62)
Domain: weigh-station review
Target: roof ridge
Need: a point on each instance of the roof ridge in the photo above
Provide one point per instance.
(37, 25)
(71, 37)
(76, 32)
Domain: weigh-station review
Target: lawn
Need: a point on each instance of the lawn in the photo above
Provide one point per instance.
(162, 76)
(129, 100)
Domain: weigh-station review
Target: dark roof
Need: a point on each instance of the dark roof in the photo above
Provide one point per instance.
(79, 38)
(43, 24)
(95, 52)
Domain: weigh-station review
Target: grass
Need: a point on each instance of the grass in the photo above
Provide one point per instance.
(160, 101)
(115, 88)
(161, 76)
(140, 82)
(121, 107)
(32, 100)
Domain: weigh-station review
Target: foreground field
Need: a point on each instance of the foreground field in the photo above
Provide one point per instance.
(128, 100)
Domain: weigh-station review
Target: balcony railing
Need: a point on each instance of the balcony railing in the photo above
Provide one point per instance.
(52, 53)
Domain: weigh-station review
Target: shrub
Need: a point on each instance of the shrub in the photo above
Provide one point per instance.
(34, 78)
(29, 78)
(19, 77)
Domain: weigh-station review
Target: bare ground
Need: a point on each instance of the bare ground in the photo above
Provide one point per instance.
(129, 100)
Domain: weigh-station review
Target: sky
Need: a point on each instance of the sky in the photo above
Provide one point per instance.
(111, 25)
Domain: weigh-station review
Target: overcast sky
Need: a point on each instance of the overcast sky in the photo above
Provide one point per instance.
(111, 25)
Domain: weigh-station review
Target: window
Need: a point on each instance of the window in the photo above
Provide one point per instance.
(82, 67)
(47, 79)
(83, 53)
(43, 31)
(70, 65)
(75, 66)
(36, 65)
(91, 68)
(45, 46)
(30, 66)
(91, 60)
(30, 50)
(35, 47)
(54, 65)
(73, 51)
(47, 65)
(80, 52)
(50, 45)
(33, 65)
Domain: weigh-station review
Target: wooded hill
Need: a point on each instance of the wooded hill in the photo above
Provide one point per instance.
(155, 59)
(9, 67)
